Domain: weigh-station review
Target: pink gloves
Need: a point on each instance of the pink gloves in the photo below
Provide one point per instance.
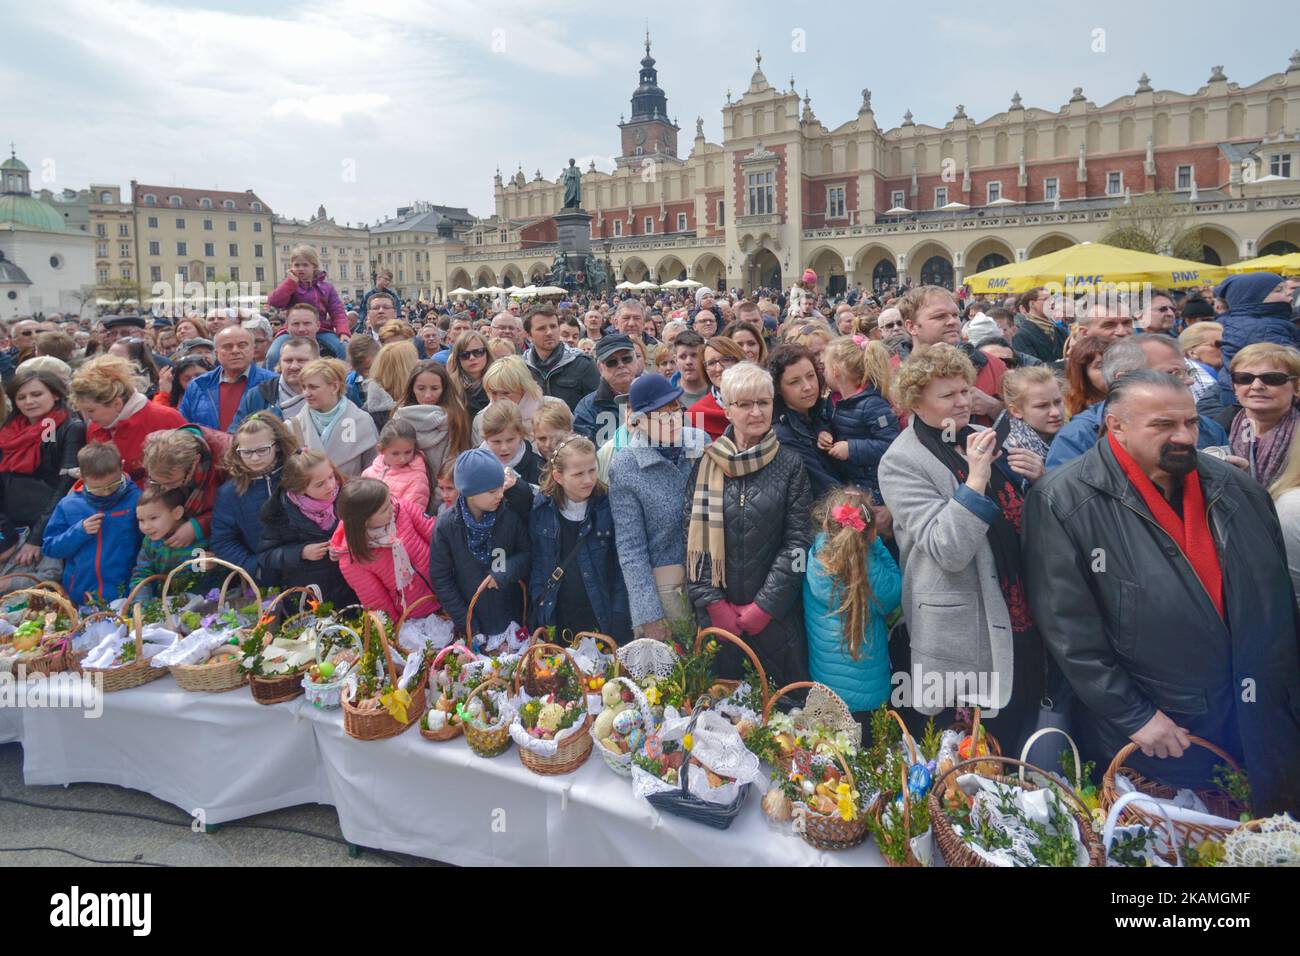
(725, 615)
(752, 619)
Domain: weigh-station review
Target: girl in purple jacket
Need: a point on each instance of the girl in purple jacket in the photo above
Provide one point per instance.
(306, 283)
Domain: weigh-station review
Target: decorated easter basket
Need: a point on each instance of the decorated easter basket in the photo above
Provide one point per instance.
(823, 708)
(955, 850)
(556, 756)
(682, 802)
(369, 719)
(473, 602)
(977, 732)
(133, 672)
(728, 684)
(832, 831)
(484, 739)
(440, 681)
(1147, 813)
(603, 731)
(52, 620)
(279, 688)
(221, 672)
(327, 694)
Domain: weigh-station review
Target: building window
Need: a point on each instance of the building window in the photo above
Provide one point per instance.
(105, 197)
(234, 250)
(835, 202)
(897, 199)
(285, 248)
(207, 225)
(181, 249)
(210, 273)
(103, 276)
(260, 274)
(618, 228)
(231, 225)
(155, 248)
(1114, 183)
(1280, 165)
(150, 199)
(56, 262)
(153, 222)
(209, 249)
(123, 229)
(124, 250)
(234, 273)
(257, 227)
(180, 223)
(761, 193)
(183, 272)
(478, 238)
(1051, 188)
(940, 196)
(257, 207)
(174, 202)
(155, 273)
(401, 275)
(205, 203)
(101, 230)
(994, 191)
(401, 258)
(722, 213)
(1184, 177)
(649, 225)
(101, 250)
(257, 251)
(503, 236)
(228, 204)
(681, 222)
(126, 273)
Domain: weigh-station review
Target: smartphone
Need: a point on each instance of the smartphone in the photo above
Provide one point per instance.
(1002, 428)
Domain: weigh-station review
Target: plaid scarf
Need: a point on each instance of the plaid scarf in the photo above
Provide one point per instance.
(705, 534)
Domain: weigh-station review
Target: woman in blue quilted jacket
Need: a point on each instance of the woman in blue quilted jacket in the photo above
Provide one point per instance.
(1259, 310)
(852, 587)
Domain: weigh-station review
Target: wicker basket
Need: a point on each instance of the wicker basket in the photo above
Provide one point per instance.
(954, 850)
(280, 688)
(133, 673)
(1217, 802)
(53, 657)
(76, 657)
(365, 722)
(830, 831)
(822, 707)
(327, 695)
(574, 750)
(488, 741)
(730, 684)
(473, 602)
(225, 674)
(681, 802)
(451, 729)
(877, 811)
(621, 764)
(971, 728)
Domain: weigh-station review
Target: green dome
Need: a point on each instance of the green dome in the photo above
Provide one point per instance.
(14, 164)
(29, 212)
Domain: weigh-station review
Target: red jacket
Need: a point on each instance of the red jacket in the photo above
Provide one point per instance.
(708, 415)
(375, 581)
(129, 435)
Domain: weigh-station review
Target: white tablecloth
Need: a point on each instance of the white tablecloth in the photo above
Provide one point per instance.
(222, 753)
(11, 724)
(439, 800)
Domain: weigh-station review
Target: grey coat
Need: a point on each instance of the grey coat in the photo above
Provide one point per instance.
(647, 493)
(956, 614)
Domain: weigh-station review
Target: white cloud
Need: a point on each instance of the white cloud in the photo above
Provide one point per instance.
(328, 108)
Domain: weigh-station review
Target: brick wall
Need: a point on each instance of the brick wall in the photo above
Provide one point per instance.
(814, 199)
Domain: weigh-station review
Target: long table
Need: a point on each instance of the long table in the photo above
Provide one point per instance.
(233, 758)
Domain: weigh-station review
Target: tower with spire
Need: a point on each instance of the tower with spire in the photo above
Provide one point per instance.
(648, 131)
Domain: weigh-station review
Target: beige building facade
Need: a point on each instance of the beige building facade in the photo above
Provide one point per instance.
(112, 224)
(868, 205)
(203, 236)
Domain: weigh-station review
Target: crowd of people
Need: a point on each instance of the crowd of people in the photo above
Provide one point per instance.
(1083, 513)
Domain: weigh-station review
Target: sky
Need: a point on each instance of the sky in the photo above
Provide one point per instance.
(365, 105)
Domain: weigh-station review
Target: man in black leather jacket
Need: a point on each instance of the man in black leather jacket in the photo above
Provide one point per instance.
(1127, 602)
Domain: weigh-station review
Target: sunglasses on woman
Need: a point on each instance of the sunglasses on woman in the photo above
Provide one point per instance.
(1271, 379)
(473, 353)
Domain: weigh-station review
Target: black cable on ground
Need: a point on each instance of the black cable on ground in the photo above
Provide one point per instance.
(188, 824)
(55, 849)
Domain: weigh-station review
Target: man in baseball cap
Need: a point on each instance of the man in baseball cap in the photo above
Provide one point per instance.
(619, 363)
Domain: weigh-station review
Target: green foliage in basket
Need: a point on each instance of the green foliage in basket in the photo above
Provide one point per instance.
(1131, 847)
(893, 838)
(692, 676)
(930, 740)
(750, 692)
(1207, 853)
(1235, 785)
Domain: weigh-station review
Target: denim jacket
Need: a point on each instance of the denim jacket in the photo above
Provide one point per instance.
(596, 559)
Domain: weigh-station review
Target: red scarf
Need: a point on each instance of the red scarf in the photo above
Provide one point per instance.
(20, 441)
(1191, 532)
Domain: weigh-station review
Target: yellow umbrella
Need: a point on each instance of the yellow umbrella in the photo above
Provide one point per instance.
(1287, 265)
(1090, 263)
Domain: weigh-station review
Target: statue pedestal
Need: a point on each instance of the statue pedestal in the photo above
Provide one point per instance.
(573, 229)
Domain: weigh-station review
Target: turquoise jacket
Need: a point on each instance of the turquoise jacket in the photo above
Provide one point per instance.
(864, 684)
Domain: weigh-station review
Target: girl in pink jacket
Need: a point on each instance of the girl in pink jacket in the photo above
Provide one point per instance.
(306, 283)
(399, 466)
(382, 545)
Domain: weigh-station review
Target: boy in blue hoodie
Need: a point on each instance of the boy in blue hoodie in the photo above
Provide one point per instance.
(93, 530)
